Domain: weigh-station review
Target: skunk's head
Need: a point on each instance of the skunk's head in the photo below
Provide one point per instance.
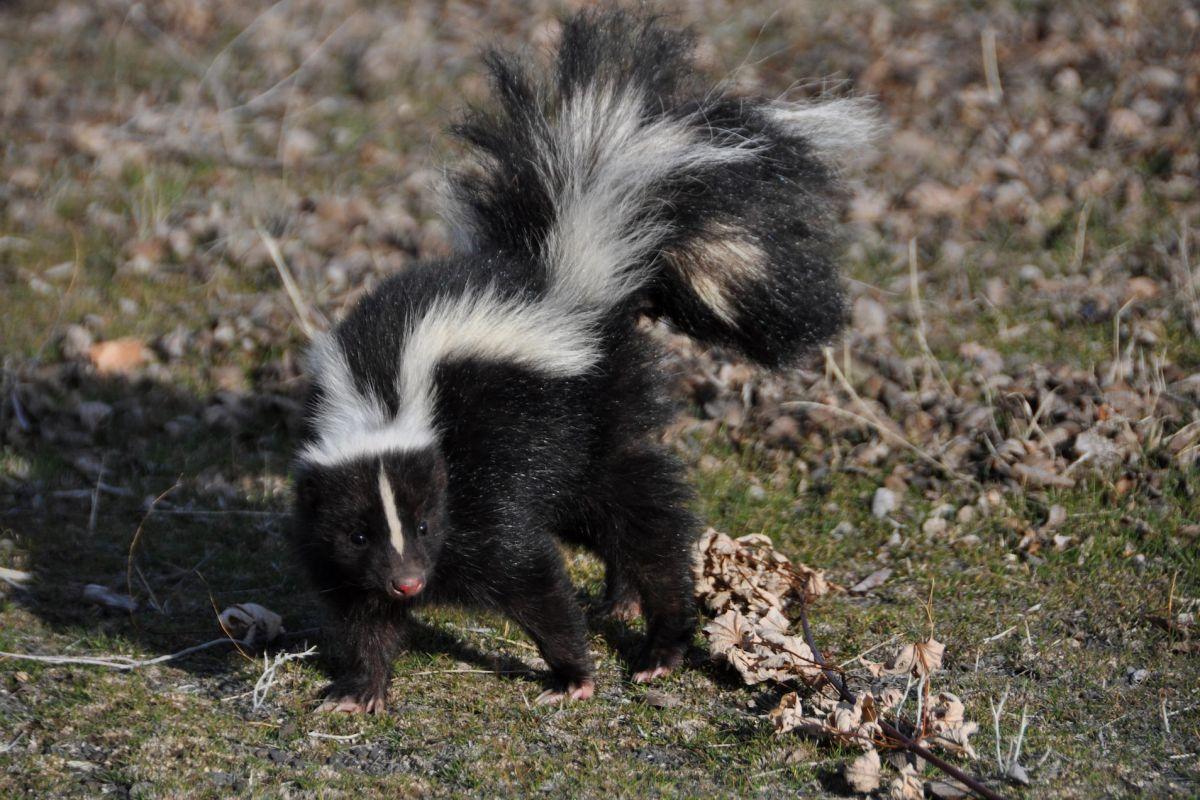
(375, 524)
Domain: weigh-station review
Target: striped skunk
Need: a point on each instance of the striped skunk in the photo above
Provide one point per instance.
(471, 413)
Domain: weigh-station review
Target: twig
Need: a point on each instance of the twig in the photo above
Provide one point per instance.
(914, 287)
(991, 66)
(106, 488)
(470, 672)
(1081, 236)
(116, 662)
(997, 712)
(868, 650)
(304, 314)
(270, 671)
(19, 412)
(889, 730)
(887, 433)
(94, 513)
(1000, 635)
(16, 578)
(138, 533)
(1014, 750)
(9, 747)
(333, 737)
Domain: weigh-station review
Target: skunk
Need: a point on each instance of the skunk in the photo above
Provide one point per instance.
(471, 413)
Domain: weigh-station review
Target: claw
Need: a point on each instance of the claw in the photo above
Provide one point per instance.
(353, 705)
(647, 675)
(574, 691)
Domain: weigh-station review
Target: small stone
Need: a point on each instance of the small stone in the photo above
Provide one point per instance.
(1141, 288)
(93, 413)
(657, 699)
(224, 334)
(870, 317)
(1031, 273)
(883, 503)
(174, 344)
(1068, 81)
(1102, 451)
(783, 430)
(842, 530)
(77, 341)
(935, 526)
(1056, 516)
(180, 426)
(757, 493)
(298, 146)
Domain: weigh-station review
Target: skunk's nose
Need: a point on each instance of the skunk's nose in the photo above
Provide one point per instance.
(407, 587)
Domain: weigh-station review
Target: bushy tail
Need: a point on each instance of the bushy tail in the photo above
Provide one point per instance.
(637, 188)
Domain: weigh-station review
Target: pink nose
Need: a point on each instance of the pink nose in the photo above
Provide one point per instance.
(409, 587)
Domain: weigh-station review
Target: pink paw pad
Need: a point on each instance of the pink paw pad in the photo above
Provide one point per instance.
(575, 691)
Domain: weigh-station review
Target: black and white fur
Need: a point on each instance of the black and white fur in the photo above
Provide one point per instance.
(471, 413)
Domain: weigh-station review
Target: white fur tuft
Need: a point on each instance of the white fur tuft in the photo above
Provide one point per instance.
(839, 130)
(611, 157)
(715, 264)
(604, 157)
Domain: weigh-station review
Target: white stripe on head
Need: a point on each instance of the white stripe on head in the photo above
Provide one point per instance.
(395, 529)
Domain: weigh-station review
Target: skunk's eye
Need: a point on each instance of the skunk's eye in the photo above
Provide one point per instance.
(423, 528)
(358, 539)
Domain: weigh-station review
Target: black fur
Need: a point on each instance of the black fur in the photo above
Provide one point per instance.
(522, 458)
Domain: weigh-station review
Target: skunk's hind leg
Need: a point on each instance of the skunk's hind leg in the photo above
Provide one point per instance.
(647, 533)
(621, 599)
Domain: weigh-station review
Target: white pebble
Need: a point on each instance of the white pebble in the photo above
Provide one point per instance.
(883, 503)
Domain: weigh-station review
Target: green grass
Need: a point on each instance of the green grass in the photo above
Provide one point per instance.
(1080, 619)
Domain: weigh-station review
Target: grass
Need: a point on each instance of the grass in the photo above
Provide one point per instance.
(1079, 618)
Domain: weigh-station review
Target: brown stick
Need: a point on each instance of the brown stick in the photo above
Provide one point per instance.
(889, 730)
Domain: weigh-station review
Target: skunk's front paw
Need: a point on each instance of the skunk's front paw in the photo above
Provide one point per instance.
(342, 700)
(577, 690)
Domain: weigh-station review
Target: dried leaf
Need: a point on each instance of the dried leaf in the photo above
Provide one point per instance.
(907, 785)
(251, 623)
(921, 659)
(946, 711)
(862, 774)
(957, 740)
